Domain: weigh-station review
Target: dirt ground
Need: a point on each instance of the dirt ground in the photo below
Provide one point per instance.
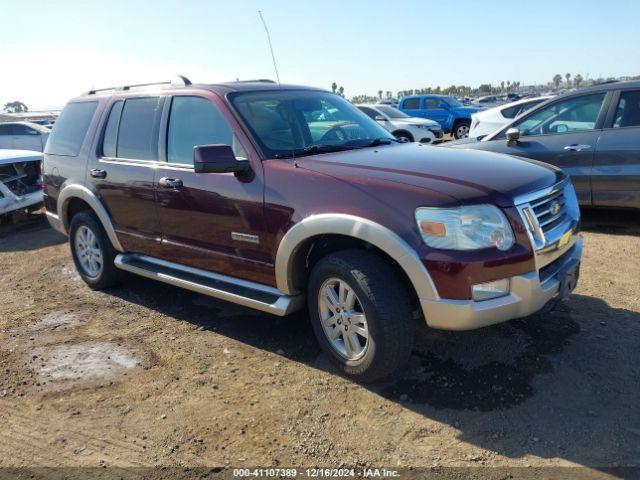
(150, 375)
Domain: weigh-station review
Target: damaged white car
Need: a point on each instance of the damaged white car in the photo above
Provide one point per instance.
(20, 181)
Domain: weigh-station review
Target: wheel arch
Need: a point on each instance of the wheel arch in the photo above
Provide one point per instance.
(71, 200)
(406, 133)
(293, 250)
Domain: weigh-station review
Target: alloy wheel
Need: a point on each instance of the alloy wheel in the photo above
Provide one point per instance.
(343, 319)
(88, 251)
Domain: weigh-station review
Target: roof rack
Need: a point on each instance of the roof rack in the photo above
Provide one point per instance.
(177, 81)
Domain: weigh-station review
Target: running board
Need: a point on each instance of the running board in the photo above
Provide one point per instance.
(243, 292)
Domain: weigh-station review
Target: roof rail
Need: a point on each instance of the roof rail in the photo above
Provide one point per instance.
(177, 81)
(259, 80)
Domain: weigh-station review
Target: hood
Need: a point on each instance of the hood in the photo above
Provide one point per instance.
(416, 121)
(465, 176)
(468, 110)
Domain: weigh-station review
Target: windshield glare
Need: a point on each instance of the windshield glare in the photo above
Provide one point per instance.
(287, 122)
(391, 112)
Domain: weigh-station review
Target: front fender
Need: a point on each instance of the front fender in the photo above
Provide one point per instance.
(356, 227)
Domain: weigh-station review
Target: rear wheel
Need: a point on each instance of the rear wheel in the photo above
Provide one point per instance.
(461, 130)
(92, 251)
(361, 314)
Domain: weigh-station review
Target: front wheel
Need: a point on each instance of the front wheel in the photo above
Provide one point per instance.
(461, 130)
(361, 314)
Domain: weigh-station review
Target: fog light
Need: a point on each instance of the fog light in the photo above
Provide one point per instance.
(489, 290)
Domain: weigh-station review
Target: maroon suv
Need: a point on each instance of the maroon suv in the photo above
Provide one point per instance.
(275, 196)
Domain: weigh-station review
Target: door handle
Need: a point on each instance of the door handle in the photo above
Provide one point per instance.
(576, 147)
(170, 182)
(98, 173)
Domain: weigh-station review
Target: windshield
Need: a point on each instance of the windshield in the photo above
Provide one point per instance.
(392, 112)
(453, 102)
(287, 122)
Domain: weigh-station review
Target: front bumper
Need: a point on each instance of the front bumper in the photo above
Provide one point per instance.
(528, 295)
(10, 202)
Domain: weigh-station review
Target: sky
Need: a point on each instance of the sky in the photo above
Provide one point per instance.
(51, 51)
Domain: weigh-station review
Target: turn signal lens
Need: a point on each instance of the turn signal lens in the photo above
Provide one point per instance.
(436, 229)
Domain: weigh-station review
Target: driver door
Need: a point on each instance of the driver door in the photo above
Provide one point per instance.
(565, 134)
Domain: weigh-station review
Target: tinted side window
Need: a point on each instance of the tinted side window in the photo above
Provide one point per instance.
(571, 115)
(70, 129)
(432, 103)
(628, 111)
(411, 104)
(19, 129)
(6, 130)
(138, 132)
(196, 121)
(111, 131)
(510, 112)
(371, 113)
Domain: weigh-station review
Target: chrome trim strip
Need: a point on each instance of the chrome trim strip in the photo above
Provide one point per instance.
(530, 197)
(245, 237)
(74, 190)
(285, 304)
(357, 227)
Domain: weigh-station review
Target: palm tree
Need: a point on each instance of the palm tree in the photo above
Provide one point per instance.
(380, 94)
(568, 77)
(577, 80)
(557, 79)
(334, 86)
(341, 91)
(15, 107)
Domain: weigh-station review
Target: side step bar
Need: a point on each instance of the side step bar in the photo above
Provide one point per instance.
(249, 294)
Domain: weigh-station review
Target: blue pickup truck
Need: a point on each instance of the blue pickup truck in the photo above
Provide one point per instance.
(454, 117)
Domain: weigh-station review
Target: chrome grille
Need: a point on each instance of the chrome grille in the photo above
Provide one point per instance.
(551, 210)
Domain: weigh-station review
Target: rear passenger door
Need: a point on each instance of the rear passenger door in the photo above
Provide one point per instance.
(123, 173)
(411, 106)
(211, 221)
(616, 168)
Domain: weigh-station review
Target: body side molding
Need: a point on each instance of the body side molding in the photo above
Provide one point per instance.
(357, 227)
(79, 191)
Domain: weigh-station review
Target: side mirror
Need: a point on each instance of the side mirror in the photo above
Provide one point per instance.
(217, 159)
(513, 135)
(379, 118)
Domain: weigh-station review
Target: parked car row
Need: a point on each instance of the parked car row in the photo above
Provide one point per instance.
(488, 121)
(593, 134)
(23, 136)
(404, 127)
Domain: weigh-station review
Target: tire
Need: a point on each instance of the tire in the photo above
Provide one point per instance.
(382, 299)
(461, 129)
(403, 136)
(107, 275)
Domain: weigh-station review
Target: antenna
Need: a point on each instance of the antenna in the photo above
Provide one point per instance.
(273, 57)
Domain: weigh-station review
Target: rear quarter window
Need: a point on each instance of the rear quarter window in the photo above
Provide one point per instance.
(70, 129)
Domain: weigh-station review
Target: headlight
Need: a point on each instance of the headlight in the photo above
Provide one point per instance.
(465, 228)
(421, 126)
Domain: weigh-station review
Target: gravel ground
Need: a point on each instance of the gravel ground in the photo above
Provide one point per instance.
(148, 375)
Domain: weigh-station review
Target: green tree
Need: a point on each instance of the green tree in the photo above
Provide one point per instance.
(334, 87)
(568, 77)
(341, 91)
(577, 80)
(380, 94)
(15, 107)
(557, 80)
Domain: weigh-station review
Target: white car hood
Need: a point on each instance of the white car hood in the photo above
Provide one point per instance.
(8, 157)
(416, 121)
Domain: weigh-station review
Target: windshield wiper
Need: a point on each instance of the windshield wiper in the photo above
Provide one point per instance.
(381, 141)
(314, 149)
